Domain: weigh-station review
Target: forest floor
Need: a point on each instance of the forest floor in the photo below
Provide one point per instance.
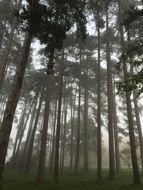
(70, 181)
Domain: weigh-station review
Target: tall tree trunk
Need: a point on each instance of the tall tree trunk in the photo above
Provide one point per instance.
(136, 175)
(42, 158)
(72, 131)
(110, 104)
(137, 114)
(61, 136)
(64, 136)
(12, 103)
(6, 53)
(99, 132)
(53, 142)
(116, 133)
(60, 94)
(77, 151)
(85, 147)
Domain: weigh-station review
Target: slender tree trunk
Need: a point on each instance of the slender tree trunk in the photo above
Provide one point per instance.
(136, 175)
(137, 115)
(12, 103)
(61, 136)
(110, 104)
(60, 94)
(77, 151)
(116, 132)
(64, 137)
(72, 132)
(86, 166)
(53, 143)
(42, 158)
(99, 135)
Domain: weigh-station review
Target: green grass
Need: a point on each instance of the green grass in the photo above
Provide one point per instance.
(69, 181)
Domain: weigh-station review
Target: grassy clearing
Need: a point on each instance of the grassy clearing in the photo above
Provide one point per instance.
(69, 181)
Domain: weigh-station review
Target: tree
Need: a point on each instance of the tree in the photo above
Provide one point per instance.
(110, 103)
(78, 137)
(60, 93)
(38, 28)
(12, 103)
(136, 176)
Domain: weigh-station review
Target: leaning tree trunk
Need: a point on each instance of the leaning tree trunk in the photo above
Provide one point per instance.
(136, 175)
(60, 94)
(12, 103)
(28, 153)
(6, 53)
(18, 131)
(24, 124)
(32, 112)
(110, 104)
(19, 136)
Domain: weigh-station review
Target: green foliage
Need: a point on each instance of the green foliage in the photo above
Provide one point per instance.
(50, 21)
(133, 22)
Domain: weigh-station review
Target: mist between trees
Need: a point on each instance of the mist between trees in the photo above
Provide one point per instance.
(71, 84)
